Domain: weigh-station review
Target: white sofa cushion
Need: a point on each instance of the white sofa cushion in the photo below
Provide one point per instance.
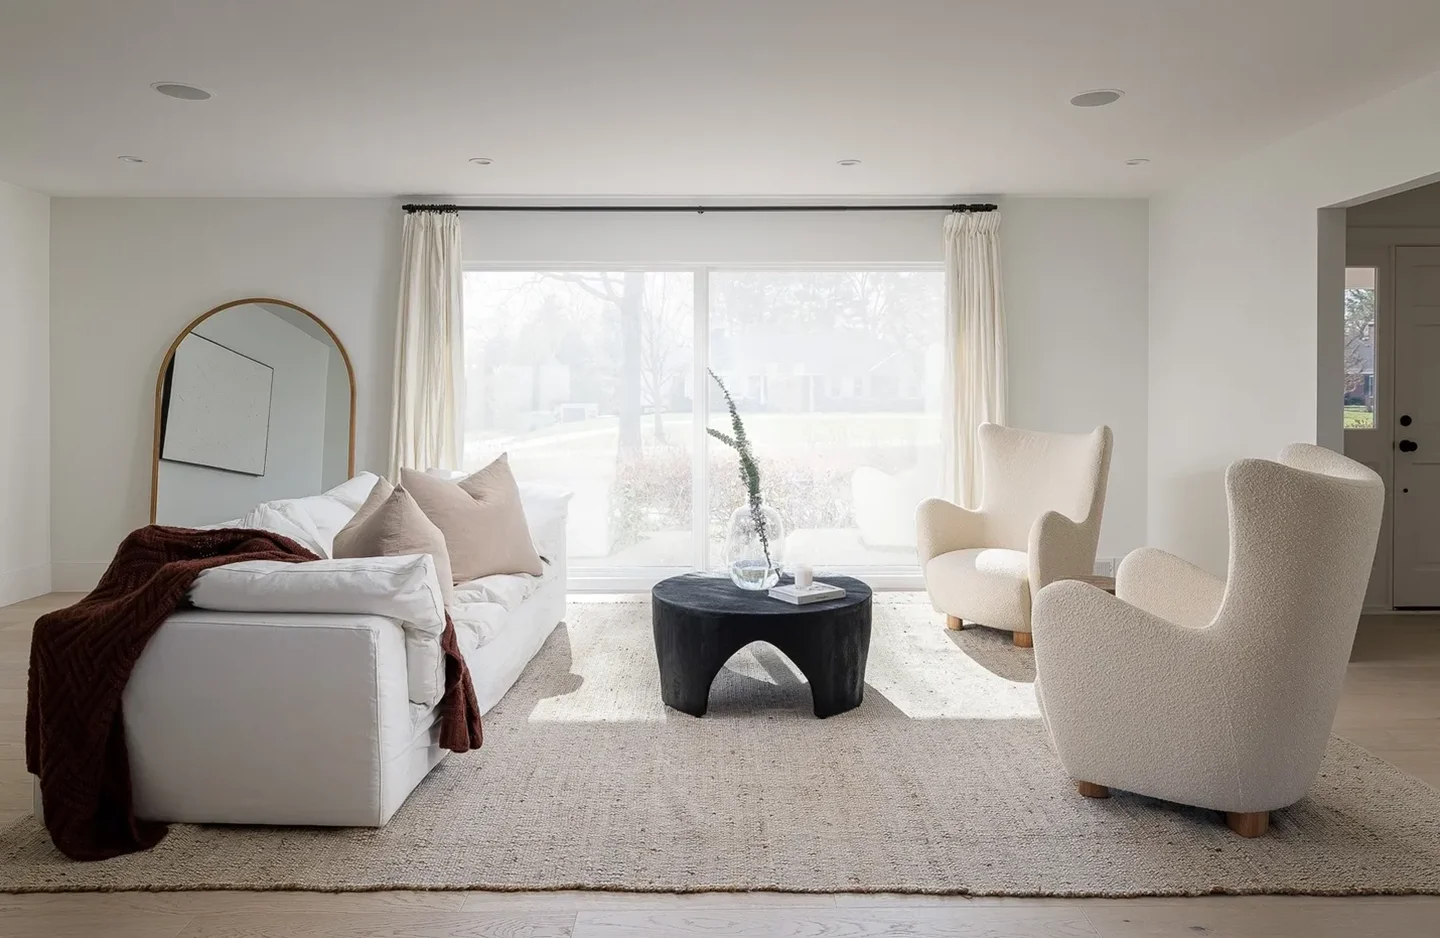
(316, 518)
(284, 520)
(991, 584)
(353, 492)
(404, 588)
(507, 589)
(479, 623)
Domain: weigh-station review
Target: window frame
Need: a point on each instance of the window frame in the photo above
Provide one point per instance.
(636, 579)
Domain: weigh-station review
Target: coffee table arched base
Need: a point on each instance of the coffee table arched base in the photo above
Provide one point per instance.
(700, 622)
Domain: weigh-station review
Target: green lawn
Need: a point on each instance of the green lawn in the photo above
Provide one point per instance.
(1358, 417)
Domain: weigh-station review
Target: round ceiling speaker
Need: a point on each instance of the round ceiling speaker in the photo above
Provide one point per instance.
(1098, 98)
(173, 89)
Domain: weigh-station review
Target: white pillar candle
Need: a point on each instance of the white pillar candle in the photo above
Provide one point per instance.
(804, 575)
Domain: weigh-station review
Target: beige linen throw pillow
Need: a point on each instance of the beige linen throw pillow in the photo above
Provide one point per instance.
(482, 519)
(391, 524)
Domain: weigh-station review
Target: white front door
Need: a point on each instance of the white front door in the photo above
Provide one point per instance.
(1416, 417)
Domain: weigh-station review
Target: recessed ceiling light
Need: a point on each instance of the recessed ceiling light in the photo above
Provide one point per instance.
(481, 160)
(1098, 98)
(174, 89)
(1138, 161)
(847, 162)
(129, 159)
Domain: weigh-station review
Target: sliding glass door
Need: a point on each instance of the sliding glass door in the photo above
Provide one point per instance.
(597, 381)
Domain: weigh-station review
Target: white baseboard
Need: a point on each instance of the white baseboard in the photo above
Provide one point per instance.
(25, 583)
(76, 577)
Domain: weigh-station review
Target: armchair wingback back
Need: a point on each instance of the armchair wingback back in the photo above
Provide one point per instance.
(1025, 473)
(1302, 539)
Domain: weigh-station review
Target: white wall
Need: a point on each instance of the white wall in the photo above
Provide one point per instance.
(24, 394)
(618, 238)
(129, 274)
(1076, 283)
(191, 495)
(1242, 356)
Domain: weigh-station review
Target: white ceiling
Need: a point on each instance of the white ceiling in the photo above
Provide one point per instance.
(676, 98)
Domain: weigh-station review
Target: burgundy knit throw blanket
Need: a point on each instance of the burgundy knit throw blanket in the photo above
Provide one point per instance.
(81, 658)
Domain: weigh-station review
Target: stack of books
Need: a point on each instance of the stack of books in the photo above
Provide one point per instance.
(816, 592)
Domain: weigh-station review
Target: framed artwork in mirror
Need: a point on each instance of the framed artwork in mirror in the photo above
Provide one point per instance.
(215, 409)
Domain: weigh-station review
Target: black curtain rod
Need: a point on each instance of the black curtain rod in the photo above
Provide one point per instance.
(702, 209)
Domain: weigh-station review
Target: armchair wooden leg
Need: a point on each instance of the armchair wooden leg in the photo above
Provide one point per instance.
(1091, 790)
(1248, 823)
(1023, 640)
(954, 623)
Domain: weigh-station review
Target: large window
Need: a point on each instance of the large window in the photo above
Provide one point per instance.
(590, 380)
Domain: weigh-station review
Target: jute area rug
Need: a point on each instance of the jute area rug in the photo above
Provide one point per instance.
(941, 782)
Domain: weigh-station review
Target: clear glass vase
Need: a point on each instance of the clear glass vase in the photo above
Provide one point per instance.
(754, 561)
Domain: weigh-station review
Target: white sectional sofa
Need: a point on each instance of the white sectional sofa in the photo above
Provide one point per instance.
(306, 694)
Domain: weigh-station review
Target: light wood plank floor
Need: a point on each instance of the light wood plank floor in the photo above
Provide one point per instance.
(1391, 706)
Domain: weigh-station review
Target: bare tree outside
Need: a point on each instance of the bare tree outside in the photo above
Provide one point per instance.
(1359, 357)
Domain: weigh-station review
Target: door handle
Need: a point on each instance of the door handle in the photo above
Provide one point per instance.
(1408, 446)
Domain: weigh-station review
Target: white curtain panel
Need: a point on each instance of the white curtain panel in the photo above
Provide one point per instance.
(426, 428)
(975, 376)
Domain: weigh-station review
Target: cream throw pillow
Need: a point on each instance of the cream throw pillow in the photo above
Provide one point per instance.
(482, 518)
(391, 524)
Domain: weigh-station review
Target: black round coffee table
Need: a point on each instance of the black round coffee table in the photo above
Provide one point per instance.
(701, 620)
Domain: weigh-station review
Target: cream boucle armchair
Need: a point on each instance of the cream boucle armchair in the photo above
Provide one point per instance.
(1038, 521)
(1218, 693)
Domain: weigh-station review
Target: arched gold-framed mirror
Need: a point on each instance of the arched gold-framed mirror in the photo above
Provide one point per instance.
(255, 401)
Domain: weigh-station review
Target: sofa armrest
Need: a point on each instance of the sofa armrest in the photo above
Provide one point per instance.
(404, 587)
(1095, 653)
(270, 718)
(547, 510)
(1166, 586)
(1058, 548)
(1118, 686)
(942, 526)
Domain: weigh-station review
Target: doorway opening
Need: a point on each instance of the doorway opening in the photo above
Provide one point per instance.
(1391, 383)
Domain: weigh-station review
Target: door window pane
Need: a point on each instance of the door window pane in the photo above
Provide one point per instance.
(584, 378)
(846, 422)
(1359, 348)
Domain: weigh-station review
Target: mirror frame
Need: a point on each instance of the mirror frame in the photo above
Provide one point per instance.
(170, 355)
